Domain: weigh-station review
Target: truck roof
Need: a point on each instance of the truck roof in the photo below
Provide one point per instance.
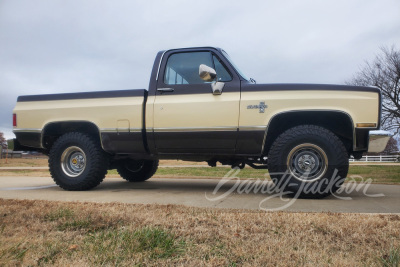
(190, 48)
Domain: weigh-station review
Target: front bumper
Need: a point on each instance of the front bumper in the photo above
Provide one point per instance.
(378, 141)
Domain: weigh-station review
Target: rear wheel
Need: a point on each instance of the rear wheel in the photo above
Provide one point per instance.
(137, 170)
(308, 161)
(77, 162)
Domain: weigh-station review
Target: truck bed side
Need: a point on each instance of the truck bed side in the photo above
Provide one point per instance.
(115, 116)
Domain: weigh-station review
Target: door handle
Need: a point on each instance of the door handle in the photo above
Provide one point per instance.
(165, 89)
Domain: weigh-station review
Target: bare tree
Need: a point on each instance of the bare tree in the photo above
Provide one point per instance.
(3, 141)
(384, 73)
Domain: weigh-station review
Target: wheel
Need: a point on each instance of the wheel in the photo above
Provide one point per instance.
(137, 170)
(77, 162)
(308, 161)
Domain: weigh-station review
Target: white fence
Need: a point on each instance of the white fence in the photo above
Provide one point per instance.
(10, 154)
(393, 158)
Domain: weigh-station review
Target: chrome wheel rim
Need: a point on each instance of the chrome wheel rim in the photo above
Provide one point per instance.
(73, 161)
(307, 162)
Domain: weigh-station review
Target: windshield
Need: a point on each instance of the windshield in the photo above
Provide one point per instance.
(234, 65)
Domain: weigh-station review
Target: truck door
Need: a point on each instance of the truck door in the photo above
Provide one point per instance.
(188, 117)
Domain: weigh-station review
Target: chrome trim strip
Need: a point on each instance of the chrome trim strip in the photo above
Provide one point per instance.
(108, 130)
(115, 130)
(28, 130)
(252, 128)
(195, 129)
(159, 64)
(208, 129)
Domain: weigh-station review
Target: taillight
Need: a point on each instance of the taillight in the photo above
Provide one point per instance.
(14, 120)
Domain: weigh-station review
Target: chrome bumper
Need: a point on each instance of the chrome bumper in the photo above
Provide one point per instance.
(378, 140)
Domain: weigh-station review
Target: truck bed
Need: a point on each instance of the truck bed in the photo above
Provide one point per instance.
(114, 113)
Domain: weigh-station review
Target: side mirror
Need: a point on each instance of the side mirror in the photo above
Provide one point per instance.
(209, 75)
(206, 73)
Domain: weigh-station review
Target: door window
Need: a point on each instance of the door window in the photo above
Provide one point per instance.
(222, 73)
(183, 68)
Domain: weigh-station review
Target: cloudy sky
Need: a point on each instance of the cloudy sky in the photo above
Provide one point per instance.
(57, 46)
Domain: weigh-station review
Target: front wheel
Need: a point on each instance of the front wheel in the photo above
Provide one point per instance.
(77, 162)
(137, 170)
(308, 161)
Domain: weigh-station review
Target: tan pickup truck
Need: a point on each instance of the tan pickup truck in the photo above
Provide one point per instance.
(201, 107)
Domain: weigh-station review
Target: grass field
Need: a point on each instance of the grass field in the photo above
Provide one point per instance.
(385, 173)
(80, 234)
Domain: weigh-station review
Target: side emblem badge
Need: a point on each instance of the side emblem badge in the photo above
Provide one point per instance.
(260, 106)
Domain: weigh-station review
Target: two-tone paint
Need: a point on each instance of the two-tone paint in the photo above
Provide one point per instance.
(190, 121)
(115, 116)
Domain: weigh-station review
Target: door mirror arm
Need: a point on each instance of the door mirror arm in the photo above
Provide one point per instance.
(217, 87)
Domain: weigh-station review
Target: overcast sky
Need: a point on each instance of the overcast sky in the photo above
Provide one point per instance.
(90, 45)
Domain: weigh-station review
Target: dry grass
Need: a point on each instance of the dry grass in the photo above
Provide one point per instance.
(28, 162)
(181, 162)
(57, 233)
(378, 173)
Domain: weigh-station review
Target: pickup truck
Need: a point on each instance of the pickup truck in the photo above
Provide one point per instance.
(200, 107)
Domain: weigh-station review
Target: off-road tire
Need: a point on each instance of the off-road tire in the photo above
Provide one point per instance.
(311, 148)
(137, 170)
(77, 162)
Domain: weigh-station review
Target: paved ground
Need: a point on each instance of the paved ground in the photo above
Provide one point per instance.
(199, 193)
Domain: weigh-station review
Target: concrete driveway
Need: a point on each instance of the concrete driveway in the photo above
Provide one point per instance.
(200, 193)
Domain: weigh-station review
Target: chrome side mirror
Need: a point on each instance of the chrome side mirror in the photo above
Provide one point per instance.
(206, 73)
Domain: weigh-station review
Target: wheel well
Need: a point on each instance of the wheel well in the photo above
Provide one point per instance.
(337, 122)
(54, 130)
